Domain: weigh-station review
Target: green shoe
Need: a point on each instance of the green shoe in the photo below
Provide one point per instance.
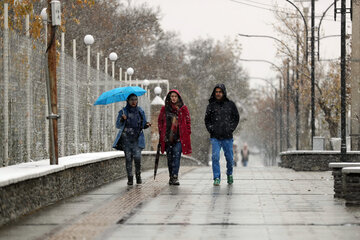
(216, 182)
(230, 179)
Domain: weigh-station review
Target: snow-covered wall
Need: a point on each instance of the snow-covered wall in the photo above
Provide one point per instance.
(29, 186)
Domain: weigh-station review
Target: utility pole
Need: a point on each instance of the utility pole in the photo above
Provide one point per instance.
(280, 116)
(343, 80)
(53, 16)
(276, 119)
(297, 117)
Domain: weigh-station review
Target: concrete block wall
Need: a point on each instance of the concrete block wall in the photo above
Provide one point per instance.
(338, 183)
(314, 160)
(352, 188)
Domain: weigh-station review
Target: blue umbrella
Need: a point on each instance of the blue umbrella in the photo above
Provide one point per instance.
(119, 94)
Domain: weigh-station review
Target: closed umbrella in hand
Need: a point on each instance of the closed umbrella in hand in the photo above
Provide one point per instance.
(157, 159)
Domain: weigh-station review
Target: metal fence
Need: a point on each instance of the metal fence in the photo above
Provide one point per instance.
(24, 134)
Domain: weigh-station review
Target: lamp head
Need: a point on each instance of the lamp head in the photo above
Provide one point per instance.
(44, 15)
(146, 82)
(113, 56)
(158, 90)
(89, 39)
(130, 71)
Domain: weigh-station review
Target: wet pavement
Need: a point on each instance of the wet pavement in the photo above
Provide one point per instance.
(263, 203)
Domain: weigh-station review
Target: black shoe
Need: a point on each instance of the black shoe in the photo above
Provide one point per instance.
(175, 180)
(171, 180)
(138, 179)
(130, 180)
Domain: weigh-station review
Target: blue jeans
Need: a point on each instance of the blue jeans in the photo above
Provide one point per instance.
(227, 146)
(132, 151)
(173, 154)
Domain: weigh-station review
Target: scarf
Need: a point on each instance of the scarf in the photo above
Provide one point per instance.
(172, 124)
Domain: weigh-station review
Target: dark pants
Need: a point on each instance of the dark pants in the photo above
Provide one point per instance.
(132, 151)
(173, 154)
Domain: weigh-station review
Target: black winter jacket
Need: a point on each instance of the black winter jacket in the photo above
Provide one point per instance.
(221, 117)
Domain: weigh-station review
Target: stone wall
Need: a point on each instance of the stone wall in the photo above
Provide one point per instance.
(351, 188)
(338, 184)
(314, 160)
(22, 197)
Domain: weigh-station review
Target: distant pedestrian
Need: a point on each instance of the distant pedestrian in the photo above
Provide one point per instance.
(236, 154)
(245, 155)
(131, 121)
(174, 130)
(221, 120)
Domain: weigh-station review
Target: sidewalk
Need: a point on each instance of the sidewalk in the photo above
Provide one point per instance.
(264, 203)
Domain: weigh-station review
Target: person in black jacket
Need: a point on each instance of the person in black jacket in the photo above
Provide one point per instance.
(221, 120)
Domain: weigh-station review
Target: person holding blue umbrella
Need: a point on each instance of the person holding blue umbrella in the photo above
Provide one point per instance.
(131, 121)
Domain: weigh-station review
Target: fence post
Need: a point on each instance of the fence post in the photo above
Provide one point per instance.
(88, 104)
(28, 91)
(105, 107)
(75, 101)
(62, 95)
(113, 86)
(97, 93)
(6, 86)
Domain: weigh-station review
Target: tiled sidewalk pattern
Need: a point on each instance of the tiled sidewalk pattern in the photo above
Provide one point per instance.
(264, 203)
(101, 219)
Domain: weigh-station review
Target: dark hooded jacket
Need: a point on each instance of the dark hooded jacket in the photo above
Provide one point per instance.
(221, 117)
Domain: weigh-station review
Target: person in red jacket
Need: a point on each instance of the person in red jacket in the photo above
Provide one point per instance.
(174, 131)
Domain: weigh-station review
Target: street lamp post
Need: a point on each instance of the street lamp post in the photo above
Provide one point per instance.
(275, 115)
(280, 87)
(274, 150)
(280, 117)
(343, 80)
(312, 72)
(146, 84)
(306, 30)
(44, 17)
(322, 17)
(88, 40)
(267, 36)
(113, 57)
(288, 86)
(287, 104)
(130, 72)
(297, 110)
(312, 62)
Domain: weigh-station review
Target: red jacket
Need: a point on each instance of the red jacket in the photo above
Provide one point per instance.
(184, 126)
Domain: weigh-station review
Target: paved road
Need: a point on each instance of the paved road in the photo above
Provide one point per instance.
(264, 203)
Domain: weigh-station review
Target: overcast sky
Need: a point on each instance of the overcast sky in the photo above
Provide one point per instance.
(226, 18)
